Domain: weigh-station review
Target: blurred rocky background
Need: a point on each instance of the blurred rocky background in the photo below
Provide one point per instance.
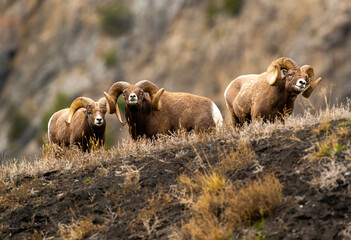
(52, 51)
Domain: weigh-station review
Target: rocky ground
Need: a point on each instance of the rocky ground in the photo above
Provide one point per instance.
(138, 196)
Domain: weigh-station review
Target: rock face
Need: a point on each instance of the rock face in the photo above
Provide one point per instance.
(49, 48)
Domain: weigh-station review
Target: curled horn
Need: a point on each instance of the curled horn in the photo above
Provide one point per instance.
(273, 74)
(111, 107)
(147, 86)
(80, 102)
(108, 101)
(114, 108)
(156, 104)
(113, 93)
(309, 70)
(154, 92)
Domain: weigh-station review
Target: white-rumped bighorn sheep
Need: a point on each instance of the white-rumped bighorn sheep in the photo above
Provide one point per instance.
(150, 111)
(81, 124)
(269, 95)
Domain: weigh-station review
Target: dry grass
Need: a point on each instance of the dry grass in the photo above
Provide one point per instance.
(238, 158)
(346, 233)
(72, 159)
(217, 206)
(131, 178)
(328, 147)
(148, 216)
(333, 173)
(79, 229)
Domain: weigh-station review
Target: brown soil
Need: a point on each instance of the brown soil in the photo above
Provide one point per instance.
(109, 200)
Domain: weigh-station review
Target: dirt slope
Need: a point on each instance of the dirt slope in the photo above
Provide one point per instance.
(136, 197)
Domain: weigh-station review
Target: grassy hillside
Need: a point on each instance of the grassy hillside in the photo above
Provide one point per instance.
(273, 181)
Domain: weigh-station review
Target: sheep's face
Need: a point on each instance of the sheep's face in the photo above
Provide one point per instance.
(296, 80)
(96, 114)
(135, 97)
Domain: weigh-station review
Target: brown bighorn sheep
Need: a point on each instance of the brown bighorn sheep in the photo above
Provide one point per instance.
(271, 94)
(84, 120)
(150, 110)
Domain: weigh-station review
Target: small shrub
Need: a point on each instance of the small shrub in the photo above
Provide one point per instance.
(110, 58)
(211, 11)
(148, 216)
(259, 228)
(328, 147)
(116, 18)
(80, 229)
(331, 175)
(233, 7)
(218, 206)
(214, 8)
(322, 127)
(20, 123)
(238, 158)
(87, 181)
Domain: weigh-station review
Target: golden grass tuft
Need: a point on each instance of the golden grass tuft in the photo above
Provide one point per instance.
(79, 229)
(238, 158)
(328, 147)
(220, 206)
(322, 127)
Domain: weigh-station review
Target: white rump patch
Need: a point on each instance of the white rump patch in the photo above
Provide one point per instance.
(49, 127)
(216, 115)
(225, 93)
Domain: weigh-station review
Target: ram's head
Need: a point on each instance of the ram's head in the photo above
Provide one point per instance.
(297, 79)
(144, 94)
(94, 111)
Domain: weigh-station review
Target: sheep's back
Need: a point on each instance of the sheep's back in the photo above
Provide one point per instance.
(57, 129)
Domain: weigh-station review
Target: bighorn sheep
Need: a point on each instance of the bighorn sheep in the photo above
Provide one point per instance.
(271, 94)
(84, 120)
(150, 110)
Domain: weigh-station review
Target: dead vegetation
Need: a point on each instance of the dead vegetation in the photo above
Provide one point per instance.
(225, 184)
(221, 206)
(217, 205)
(79, 229)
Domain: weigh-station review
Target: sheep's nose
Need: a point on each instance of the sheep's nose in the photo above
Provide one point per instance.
(98, 120)
(133, 97)
(301, 83)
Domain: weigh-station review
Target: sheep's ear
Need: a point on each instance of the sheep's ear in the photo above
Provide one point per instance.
(310, 89)
(283, 73)
(156, 103)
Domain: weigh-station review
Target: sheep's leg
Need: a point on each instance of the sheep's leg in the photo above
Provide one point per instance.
(234, 118)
